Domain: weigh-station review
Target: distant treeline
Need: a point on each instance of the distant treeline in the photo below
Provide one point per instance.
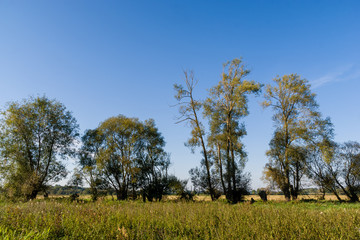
(126, 156)
(67, 190)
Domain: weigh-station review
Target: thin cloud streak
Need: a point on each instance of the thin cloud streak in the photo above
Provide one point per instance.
(346, 73)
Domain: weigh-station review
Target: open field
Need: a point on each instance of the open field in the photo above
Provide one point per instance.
(329, 197)
(61, 219)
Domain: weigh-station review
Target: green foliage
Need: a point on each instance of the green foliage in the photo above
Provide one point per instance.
(178, 187)
(182, 220)
(35, 134)
(88, 170)
(67, 190)
(342, 171)
(126, 155)
(298, 123)
(153, 162)
(225, 107)
(117, 154)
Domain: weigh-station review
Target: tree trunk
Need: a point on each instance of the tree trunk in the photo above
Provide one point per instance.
(342, 188)
(229, 193)
(144, 195)
(233, 167)
(286, 189)
(94, 193)
(337, 195)
(207, 165)
(296, 187)
(353, 195)
(32, 195)
(323, 192)
(221, 170)
(236, 194)
(287, 192)
(121, 194)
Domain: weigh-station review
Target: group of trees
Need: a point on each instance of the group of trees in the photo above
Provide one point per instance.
(221, 171)
(303, 144)
(127, 157)
(122, 154)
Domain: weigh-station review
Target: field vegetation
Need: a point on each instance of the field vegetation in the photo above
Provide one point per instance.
(107, 219)
(126, 158)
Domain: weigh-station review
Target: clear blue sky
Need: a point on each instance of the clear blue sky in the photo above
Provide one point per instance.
(104, 58)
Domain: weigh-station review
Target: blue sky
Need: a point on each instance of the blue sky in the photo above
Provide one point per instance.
(104, 58)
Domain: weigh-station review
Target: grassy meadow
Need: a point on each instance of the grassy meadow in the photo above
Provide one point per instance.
(106, 219)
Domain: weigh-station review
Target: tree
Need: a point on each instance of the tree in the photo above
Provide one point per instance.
(320, 156)
(276, 168)
(348, 155)
(336, 167)
(321, 166)
(153, 163)
(188, 109)
(36, 134)
(88, 154)
(117, 155)
(217, 144)
(225, 107)
(131, 157)
(296, 119)
(349, 158)
(178, 187)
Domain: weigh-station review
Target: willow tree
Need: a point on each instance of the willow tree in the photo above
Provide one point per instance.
(296, 119)
(117, 155)
(225, 107)
(92, 141)
(36, 135)
(348, 161)
(153, 162)
(189, 108)
(130, 157)
(322, 167)
(321, 158)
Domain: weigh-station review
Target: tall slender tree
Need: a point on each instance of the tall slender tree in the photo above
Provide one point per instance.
(225, 107)
(189, 109)
(296, 118)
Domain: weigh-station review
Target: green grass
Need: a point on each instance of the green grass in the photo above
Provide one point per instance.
(170, 220)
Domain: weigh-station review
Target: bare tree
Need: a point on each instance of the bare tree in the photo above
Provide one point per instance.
(188, 109)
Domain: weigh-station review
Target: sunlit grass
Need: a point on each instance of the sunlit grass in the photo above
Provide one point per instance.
(60, 219)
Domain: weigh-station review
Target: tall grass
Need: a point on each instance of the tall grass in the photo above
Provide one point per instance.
(170, 220)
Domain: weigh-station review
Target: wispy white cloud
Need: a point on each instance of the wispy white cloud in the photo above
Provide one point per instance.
(345, 73)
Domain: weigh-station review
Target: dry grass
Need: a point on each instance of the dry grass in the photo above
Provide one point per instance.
(270, 197)
(328, 197)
